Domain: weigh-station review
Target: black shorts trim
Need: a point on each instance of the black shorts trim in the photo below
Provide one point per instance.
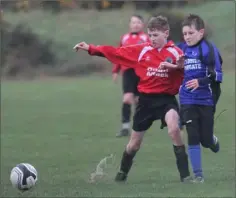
(130, 82)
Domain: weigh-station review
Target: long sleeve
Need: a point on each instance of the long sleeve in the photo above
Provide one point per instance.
(127, 56)
(116, 67)
(214, 66)
(216, 71)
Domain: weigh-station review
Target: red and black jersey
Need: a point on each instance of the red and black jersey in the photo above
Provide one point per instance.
(146, 60)
(127, 40)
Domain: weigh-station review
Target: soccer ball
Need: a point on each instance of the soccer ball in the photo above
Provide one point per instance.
(23, 176)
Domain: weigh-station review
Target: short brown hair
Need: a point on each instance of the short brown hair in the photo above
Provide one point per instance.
(158, 23)
(193, 19)
(138, 16)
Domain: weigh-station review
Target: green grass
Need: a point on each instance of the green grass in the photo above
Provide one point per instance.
(64, 127)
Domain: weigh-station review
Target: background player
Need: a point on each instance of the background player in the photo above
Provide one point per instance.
(129, 77)
(157, 89)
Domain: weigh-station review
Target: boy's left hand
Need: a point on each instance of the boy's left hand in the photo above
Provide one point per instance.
(180, 62)
(192, 84)
(167, 65)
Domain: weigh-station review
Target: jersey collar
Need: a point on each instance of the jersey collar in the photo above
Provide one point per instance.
(169, 44)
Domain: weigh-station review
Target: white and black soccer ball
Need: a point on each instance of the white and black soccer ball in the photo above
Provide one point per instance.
(23, 176)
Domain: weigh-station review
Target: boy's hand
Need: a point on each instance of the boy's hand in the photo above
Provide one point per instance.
(180, 62)
(167, 65)
(82, 45)
(192, 84)
(114, 77)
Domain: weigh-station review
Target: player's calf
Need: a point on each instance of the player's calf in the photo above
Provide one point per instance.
(128, 155)
(172, 121)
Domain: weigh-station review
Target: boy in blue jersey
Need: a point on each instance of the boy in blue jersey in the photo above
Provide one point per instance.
(200, 90)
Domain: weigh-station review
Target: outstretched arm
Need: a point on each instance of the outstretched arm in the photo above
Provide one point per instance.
(126, 56)
(116, 68)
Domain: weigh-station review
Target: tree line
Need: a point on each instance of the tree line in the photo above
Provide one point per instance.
(60, 5)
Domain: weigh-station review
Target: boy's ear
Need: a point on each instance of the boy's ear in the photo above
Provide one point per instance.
(202, 31)
(167, 33)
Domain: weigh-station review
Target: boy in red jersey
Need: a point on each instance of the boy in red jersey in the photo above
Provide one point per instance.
(157, 89)
(129, 77)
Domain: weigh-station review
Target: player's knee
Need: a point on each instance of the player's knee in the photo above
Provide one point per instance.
(128, 98)
(172, 121)
(193, 138)
(135, 142)
(193, 132)
(174, 131)
(133, 147)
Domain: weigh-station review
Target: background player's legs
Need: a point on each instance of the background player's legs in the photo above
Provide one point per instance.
(172, 121)
(190, 117)
(128, 100)
(207, 138)
(129, 89)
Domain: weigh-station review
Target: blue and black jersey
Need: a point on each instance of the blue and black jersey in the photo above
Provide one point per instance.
(203, 62)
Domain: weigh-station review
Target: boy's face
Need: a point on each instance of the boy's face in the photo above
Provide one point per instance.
(191, 35)
(136, 25)
(158, 38)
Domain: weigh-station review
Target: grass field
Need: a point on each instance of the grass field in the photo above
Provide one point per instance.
(64, 127)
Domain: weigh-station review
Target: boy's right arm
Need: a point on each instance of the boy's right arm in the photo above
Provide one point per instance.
(116, 67)
(127, 56)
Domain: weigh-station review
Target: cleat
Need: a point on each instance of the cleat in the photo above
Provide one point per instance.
(121, 177)
(187, 179)
(216, 147)
(198, 180)
(123, 132)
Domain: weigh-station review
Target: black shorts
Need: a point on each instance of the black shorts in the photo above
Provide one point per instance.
(189, 112)
(130, 82)
(151, 108)
(199, 121)
(216, 92)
